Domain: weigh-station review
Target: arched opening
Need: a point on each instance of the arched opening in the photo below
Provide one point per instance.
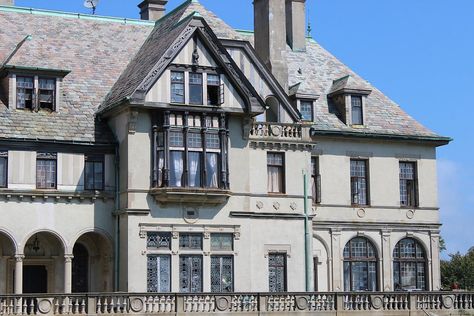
(7, 252)
(320, 266)
(80, 269)
(43, 266)
(360, 265)
(409, 265)
(273, 111)
(92, 264)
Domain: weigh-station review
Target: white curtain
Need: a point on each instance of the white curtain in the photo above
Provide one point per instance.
(194, 169)
(212, 172)
(176, 168)
(274, 179)
(161, 164)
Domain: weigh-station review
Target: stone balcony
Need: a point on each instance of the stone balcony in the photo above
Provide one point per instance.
(289, 135)
(357, 303)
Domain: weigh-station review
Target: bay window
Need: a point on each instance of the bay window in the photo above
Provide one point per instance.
(191, 151)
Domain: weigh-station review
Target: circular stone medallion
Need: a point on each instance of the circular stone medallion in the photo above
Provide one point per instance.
(361, 213)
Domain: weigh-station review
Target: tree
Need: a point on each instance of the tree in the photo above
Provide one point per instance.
(458, 270)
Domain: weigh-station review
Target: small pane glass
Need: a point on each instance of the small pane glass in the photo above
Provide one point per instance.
(191, 241)
(222, 242)
(158, 240)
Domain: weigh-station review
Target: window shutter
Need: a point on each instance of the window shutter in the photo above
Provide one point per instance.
(318, 188)
(221, 95)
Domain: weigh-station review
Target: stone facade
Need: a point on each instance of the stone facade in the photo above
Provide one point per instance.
(168, 158)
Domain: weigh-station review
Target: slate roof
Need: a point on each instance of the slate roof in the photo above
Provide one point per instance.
(99, 52)
(95, 51)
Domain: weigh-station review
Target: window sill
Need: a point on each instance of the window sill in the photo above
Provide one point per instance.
(190, 195)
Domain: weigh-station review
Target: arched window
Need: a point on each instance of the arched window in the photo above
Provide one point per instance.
(360, 265)
(409, 265)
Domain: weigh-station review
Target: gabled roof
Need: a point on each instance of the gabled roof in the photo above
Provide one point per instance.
(167, 39)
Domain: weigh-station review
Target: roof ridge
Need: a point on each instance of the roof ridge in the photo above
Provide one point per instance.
(65, 14)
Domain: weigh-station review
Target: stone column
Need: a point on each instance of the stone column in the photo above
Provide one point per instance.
(336, 260)
(435, 262)
(19, 274)
(386, 271)
(68, 273)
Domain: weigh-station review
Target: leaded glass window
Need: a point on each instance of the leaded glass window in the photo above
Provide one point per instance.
(408, 184)
(158, 273)
(222, 274)
(190, 241)
(222, 242)
(360, 265)
(46, 170)
(277, 272)
(194, 158)
(359, 185)
(306, 110)
(357, 113)
(190, 273)
(3, 169)
(94, 172)
(409, 262)
(158, 240)
(177, 86)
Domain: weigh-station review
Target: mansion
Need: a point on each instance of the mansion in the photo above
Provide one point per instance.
(177, 154)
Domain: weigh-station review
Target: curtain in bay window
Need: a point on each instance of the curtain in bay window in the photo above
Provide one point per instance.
(212, 170)
(161, 164)
(176, 168)
(194, 169)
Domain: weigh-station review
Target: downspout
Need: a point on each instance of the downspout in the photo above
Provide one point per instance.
(307, 240)
(117, 221)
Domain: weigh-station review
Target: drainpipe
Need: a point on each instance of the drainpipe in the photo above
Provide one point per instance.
(307, 240)
(117, 221)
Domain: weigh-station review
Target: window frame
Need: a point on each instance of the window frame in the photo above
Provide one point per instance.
(201, 276)
(53, 95)
(221, 257)
(397, 258)
(158, 276)
(282, 173)
(174, 82)
(4, 156)
(33, 94)
(195, 85)
(315, 180)
(43, 156)
(351, 259)
(367, 183)
(360, 106)
(311, 105)
(94, 159)
(220, 89)
(414, 201)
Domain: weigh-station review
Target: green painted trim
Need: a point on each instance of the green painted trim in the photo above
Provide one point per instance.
(63, 14)
(248, 32)
(440, 139)
(13, 67)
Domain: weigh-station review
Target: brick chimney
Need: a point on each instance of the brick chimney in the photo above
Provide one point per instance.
(152, 10)
(7, 2)
(270, 37)
(295, 24)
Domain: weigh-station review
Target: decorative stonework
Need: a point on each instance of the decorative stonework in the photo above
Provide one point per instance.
(410, 214)
(293, 205)
(276, 205)
(361, 213)
(259, 205)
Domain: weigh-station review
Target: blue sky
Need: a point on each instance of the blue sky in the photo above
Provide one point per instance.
(420, 53)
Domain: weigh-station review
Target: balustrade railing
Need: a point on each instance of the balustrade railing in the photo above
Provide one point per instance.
(279, 131)
(403, 303)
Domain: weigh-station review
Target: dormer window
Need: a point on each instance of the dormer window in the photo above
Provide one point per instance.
(356, 110)
(25, 92)
(35, 93)
(46, 93)
(306, 110)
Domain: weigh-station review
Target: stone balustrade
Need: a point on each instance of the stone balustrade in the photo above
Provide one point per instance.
(357, 303)
(289, 132)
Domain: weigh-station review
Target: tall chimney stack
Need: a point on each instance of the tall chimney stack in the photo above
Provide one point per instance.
(152, 10)
(295, 24)
(270, 37)
(7, 2)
